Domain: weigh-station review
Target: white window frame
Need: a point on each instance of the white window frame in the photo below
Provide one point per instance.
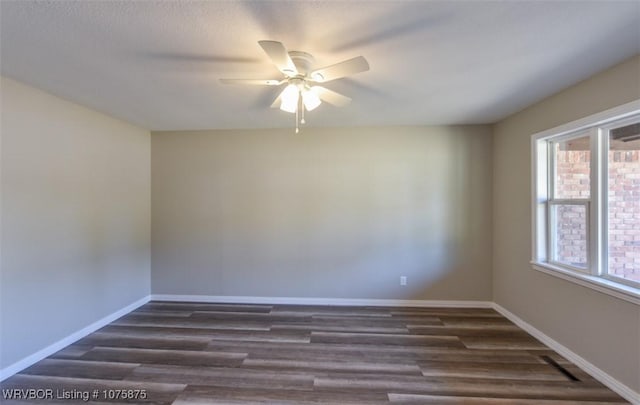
(595, 276)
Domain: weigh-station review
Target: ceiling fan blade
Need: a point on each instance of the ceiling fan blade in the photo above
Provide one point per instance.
(279, 56)
(339, 70)
(276, 103)
(259, 82)
(331, 96)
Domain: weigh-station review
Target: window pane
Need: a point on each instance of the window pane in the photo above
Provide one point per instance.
(572, 163)
(569, 228)
(624, 202)
(569, 223)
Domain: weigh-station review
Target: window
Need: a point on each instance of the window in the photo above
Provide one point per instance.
(586, 201)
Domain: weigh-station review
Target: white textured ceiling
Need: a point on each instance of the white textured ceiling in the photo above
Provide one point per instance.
(157, 63)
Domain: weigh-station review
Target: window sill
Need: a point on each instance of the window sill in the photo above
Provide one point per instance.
(602, 285)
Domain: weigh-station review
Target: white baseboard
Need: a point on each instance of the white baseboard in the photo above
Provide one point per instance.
(74, 337)
(320, 301)
(623, 390)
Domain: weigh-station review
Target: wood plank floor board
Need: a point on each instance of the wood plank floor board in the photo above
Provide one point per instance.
(234, 377)
(497, 331)
(538, 372)
(201, 353)
(365, 320)
(468, 380)
(479, 356)
(335, 365)
(373, 322)
(381, 353)
(285, 336)
(157, 331)
(157, 313)
(193, 306)
(512, 355)
(72, 351)
(450, 386)
(386, 339)
(419, 399)
(195, 394)
(329, 355)
(444, 311)
(426, 320)
(518, 341)
(339, 328)
(107, 339)
(154, 356)
(388, 357)
(189, 324)
(81, 369)
(394, 320)
(193, 322)
(470, 321)
(234, 333)
(250, 316)
(324, 310)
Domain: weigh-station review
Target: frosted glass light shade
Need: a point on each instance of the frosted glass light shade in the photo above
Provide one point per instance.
(289, 98)
(310, 100)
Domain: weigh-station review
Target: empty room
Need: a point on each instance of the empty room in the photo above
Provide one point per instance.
(320, 202)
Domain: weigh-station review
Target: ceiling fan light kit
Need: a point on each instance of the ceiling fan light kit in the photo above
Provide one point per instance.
(300, 92)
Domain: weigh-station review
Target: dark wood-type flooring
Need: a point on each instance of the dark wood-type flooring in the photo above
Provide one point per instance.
(192, 353)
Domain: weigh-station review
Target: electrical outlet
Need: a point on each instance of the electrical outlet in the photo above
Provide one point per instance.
(403, 280)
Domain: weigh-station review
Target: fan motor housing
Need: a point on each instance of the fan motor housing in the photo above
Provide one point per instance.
(303, 61)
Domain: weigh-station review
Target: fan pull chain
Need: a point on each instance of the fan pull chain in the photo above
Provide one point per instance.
(297, 128)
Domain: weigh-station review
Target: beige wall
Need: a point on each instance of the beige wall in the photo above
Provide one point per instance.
(75, 218)
(331, 213)
(602, 329)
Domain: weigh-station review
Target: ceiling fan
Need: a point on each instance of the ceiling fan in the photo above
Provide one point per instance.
(302, 91)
